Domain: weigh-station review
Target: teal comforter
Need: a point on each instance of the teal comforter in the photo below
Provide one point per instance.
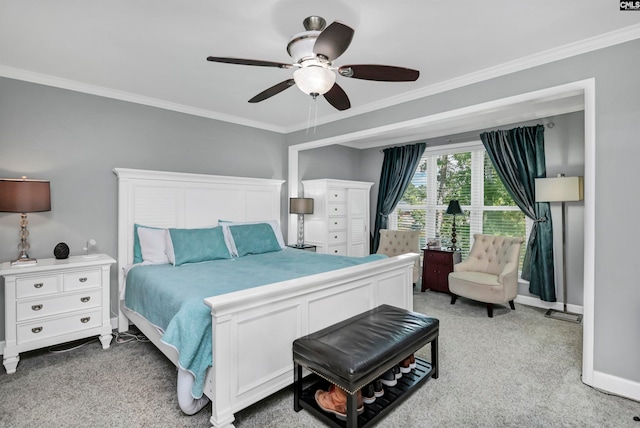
(172, 297)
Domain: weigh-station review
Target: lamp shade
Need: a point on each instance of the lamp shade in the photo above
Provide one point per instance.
(301, 205)
(24, 196)
(559, 189)
(454, 208)
(314, 79)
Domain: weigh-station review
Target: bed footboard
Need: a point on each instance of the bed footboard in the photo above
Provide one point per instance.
(253, 330)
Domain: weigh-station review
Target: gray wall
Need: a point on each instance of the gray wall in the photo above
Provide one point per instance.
(337, 162)
(75, 140)
(617, 152)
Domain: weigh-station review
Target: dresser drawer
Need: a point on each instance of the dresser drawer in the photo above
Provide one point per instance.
(39, 308)
(80, 280)
(337, 209)
(38, 286)
(39, 329)
(337, 237)
(339, 250)
(337, 223)
(337, 195)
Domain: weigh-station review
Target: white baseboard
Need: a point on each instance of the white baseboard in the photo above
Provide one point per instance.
(616, 385)
(536, 302)
(2, 347)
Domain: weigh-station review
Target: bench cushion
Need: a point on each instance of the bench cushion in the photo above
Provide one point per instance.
(356, 351)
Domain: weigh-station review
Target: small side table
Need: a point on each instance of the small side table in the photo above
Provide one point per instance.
(55, 301)
(305, 247)
(436, 267)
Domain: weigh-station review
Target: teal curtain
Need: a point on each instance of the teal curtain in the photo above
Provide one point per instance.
(398, 167)
(518, 157)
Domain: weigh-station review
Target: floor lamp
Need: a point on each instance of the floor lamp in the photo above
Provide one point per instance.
(561, 189)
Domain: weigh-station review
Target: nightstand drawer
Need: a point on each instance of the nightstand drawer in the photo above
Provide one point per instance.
(339, 250)
(337, 223)
(437, 257)
(38, 286)
(337, 237)
(79, 280)
(57, 305)
(38, 330)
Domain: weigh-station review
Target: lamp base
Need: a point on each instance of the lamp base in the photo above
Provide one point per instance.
(25, 261)
(564, 316)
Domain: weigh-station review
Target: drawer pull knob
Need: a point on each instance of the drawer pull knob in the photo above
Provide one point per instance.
(85, 299)
(335, 222)
(83, 279)
(38, 284)
(336, 237)
(335, 209)
(335, 251)
(36, 307)
(36, 329)
(85, 320)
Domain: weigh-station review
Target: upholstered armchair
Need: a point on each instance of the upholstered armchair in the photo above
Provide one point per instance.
(395, 242)
(490, 273)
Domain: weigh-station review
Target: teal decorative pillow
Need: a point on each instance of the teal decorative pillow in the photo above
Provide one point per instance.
(275, 225)
(198, 245)
(254, 239)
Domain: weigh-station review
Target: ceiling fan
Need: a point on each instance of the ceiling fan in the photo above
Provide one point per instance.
(313, 52)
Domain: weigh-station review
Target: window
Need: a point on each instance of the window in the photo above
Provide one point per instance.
(462, 172)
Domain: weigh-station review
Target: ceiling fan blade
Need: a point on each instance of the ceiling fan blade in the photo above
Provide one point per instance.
(275, 89)
(338, 98)
(241, 61)
(333, 41)
(380, 73)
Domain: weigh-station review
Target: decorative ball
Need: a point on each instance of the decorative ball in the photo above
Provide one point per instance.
(61, 251)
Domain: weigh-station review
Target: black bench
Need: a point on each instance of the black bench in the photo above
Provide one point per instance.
(357, 351)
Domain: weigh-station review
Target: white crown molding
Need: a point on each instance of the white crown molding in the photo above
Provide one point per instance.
(566, 51)
(72, 85)
(562, 52)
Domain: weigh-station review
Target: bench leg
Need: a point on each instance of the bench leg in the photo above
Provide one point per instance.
(434, 357)
(352, 410)
(297, 386)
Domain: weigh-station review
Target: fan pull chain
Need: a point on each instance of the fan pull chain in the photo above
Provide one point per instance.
(313, 102)
(315, 120)
(309, 117)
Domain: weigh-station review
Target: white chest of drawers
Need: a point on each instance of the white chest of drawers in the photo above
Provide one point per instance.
(340, 220)
(55, 301)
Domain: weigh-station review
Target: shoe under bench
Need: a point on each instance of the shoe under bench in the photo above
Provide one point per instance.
(358, 350)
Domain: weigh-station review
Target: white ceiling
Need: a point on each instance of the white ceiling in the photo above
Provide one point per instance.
(154, 51)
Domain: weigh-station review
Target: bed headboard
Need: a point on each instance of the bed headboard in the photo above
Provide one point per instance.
(173, 199)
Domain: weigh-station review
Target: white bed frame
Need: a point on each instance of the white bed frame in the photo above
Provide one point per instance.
(253, 329)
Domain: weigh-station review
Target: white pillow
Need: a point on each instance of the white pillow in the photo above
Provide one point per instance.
(228, 239)
(153, 245)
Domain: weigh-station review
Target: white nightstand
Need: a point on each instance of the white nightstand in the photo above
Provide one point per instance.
(55, 301)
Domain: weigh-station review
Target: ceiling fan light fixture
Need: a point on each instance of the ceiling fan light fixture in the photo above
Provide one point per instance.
(314, 79)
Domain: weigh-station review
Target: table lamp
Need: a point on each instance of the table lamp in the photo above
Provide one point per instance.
(300, 206)
(454, 209)
(24, 196)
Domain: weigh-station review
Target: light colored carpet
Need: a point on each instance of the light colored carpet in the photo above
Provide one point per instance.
(518, 369)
